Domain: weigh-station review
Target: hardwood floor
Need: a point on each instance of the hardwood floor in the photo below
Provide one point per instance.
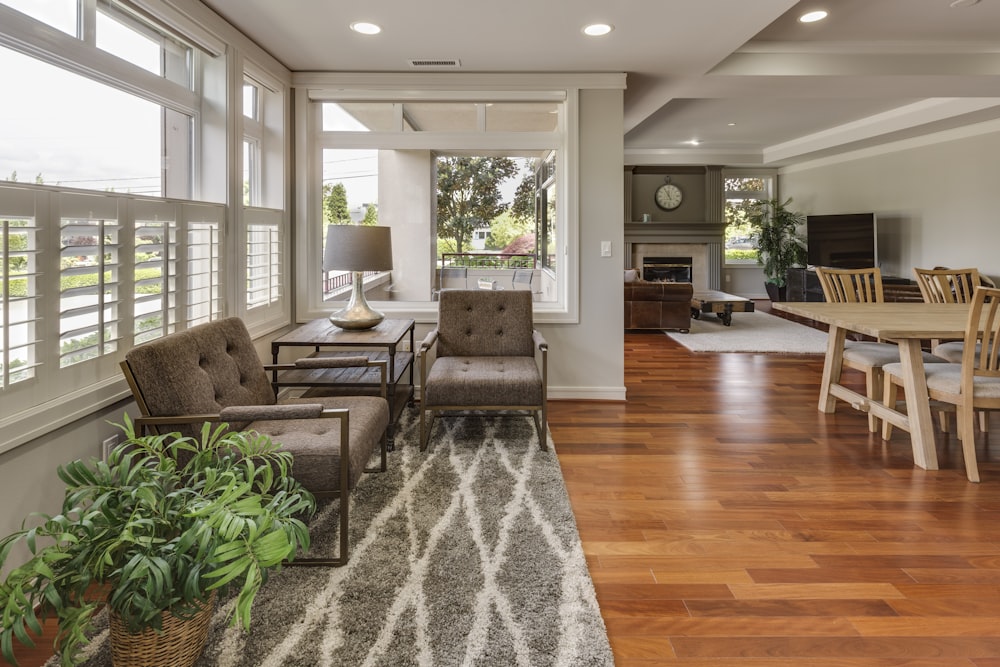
(727, 522)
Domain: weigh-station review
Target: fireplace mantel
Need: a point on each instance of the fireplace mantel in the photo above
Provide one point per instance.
(674, 232)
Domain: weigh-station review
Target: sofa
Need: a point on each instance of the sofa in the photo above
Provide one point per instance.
(650, 305)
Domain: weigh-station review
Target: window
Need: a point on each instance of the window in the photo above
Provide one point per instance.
(89, 279)
(461, 182)
(264, 230)
(52, 142)
(94, 258)
(18, 262)
(742, 192)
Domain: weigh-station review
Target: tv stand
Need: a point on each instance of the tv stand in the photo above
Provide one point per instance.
(803, 285)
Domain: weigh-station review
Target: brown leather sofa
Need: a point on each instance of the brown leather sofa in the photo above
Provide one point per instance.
(658, 305)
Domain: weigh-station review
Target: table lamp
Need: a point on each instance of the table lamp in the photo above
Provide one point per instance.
(357, 248)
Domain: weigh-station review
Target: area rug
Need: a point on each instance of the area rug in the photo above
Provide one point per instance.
(751, 332)
(467, 554)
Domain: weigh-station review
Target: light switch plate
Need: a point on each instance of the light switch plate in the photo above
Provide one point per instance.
(605, 248)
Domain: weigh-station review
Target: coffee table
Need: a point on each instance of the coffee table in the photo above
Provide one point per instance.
(720, 303)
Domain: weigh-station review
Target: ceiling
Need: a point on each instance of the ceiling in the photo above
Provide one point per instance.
(745, 79)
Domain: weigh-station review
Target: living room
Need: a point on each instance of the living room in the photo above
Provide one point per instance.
(924, 161)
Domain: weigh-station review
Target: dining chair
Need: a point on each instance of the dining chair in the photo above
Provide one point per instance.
(973, 384)
(863, 286)
(940, 285)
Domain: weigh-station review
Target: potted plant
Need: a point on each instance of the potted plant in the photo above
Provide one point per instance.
(779, 246)
(160, 527)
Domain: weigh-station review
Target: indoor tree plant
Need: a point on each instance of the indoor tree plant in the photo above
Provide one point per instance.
(161, 525)
(779, 245)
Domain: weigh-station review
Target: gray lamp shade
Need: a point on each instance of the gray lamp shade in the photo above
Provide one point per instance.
(357, 248)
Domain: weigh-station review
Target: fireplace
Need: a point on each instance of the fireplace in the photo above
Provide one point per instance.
(666, 269)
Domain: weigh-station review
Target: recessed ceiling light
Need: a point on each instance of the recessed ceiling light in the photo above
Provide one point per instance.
(731, 124)
(693, 142)
(964, 3)
(365, 28)
(597, 29)
(812, 17)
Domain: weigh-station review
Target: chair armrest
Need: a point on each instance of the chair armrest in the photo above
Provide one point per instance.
(321, 362)
(243, 413)
(428, 342)
(539, 340)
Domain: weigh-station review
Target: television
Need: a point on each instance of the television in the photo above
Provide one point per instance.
(844, 241)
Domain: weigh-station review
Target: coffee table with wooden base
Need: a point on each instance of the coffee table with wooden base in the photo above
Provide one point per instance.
(720, 303)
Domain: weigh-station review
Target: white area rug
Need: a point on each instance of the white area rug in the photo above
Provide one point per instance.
(751, 332)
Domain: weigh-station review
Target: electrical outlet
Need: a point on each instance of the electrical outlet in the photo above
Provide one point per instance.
(108, 445)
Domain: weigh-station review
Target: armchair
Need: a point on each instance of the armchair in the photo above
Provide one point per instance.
(485, 358)
(212, 373)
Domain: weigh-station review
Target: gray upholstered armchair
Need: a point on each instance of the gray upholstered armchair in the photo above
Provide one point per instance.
(485, 358)
(212, 373)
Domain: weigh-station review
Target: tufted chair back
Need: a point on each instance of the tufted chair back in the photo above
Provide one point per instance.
(200, 371)
(485, 323)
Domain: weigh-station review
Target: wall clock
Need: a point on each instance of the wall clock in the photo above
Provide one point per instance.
(668, 196)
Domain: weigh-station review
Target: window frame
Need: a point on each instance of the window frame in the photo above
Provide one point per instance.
(311, 140)
(770, 176)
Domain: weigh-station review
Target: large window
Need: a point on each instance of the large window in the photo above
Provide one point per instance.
(742, 193)
(114, 143)
(465, 184)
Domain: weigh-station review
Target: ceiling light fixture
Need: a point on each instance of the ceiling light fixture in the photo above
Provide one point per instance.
(693, 142)
(597, 29)
(812, 17)
(963, 3)
(365, 28)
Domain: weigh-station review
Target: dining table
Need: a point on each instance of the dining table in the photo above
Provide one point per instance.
(907, 324)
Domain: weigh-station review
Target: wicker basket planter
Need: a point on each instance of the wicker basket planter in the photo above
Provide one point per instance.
(178, 645)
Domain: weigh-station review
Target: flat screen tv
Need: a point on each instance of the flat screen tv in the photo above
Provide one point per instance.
(845, 241)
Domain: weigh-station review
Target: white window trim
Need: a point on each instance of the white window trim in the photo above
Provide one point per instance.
(311, 140)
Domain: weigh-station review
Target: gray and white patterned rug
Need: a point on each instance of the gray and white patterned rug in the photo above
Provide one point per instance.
(467, 554)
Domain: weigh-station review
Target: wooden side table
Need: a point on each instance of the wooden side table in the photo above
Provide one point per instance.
(383, 342)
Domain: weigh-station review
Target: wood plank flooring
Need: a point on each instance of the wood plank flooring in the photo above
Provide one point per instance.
(728, 523)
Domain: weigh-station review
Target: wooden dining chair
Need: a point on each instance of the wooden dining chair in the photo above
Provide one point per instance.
(942, 285)
(939, 285)
(862, 286)
(973, 384)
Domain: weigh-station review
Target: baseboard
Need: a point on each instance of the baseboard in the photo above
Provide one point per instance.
(586, 393)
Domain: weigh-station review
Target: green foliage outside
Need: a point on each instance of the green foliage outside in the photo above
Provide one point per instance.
(18, 287)
(505, 228)
(468, 194)
(740, 254)
(335, 210)
(371, 215)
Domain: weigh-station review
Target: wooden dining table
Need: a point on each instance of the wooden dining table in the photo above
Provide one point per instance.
(907, 324)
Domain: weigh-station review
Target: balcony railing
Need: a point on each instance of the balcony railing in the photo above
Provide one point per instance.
(487, 260)
(335, 280)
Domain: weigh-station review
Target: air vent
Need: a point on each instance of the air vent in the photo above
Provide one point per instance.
(427, 62)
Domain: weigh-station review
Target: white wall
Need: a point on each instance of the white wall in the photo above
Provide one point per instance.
(935, 198)
(587, 360)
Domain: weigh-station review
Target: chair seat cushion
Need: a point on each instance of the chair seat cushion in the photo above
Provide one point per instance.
(315, 443)
(877, 354)
(470, 382)
(952, 351)
(947, 378)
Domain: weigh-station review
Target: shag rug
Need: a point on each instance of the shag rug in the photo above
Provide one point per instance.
(467, 554)
(751, 332)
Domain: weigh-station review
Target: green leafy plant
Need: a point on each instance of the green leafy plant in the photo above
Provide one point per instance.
(163, 523)
(779, 246)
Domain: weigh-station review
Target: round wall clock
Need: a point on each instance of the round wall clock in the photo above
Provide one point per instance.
(668, 196)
